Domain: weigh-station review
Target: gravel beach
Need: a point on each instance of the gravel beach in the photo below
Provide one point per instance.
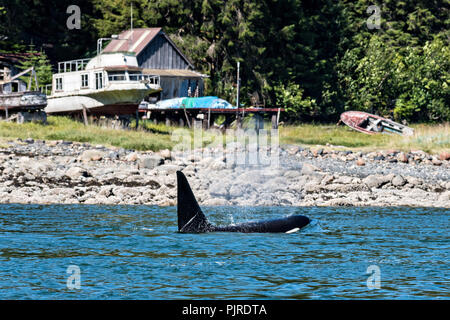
(62, 172)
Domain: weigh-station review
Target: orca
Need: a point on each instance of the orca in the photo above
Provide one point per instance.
(191, 219)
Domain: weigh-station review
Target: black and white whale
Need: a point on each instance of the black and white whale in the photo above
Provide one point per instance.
(191, 219)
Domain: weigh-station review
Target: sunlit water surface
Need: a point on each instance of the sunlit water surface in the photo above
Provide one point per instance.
(135, 252)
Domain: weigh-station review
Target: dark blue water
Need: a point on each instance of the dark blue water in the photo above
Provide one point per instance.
(134, 252)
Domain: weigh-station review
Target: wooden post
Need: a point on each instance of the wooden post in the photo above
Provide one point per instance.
(85, 118)
(187, 118)
(259, 124)
(137, 119)
(238, 121)
(278, 116)
(6, 113)
(209, 118)
(274, 121)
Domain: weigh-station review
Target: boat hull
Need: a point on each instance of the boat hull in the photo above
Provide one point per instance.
(110, 101)
(373, 124)
(29, 100)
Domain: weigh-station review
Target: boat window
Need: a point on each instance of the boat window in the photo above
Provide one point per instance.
(135, 76)
(58, 84)
(116, 76)
(85, 81)
(98, 80)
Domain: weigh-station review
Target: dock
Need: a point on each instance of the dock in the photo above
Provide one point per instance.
(187, 116)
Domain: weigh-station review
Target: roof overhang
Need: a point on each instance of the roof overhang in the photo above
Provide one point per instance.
(122, 68)
(181, 73)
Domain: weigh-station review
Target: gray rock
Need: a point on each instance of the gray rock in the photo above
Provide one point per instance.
(444, 198)
(134, 156)
(169, 169)
(292, 174)
(217, 165)
(166, 154)
(398, 181)
(75, 173)
(150, 162)
(215, 202)
(91, 155)
(373, 181)
(114, 155)
(106, 191)
(414, 181)
(218, 189)
(308, 169)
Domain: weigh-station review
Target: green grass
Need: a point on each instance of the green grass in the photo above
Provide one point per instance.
(63, 128)
(429, 138)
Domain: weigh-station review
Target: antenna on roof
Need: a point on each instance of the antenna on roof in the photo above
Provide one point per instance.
(131, 26)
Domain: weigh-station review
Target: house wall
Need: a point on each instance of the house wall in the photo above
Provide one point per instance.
(177, 87)
(160, 54)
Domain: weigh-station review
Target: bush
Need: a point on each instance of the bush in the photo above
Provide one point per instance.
(291, 98)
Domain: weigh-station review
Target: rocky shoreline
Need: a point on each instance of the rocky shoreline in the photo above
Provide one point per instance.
(62, 172)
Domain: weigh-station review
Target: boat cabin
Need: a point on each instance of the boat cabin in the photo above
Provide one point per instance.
(81, 76)
(158, 55)
(8, 70)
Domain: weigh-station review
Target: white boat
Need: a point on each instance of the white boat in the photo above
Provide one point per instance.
(108, 84)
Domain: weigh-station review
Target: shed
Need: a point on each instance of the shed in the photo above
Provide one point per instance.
(157, 54)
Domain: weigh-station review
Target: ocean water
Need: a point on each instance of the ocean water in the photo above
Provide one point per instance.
(135, 252)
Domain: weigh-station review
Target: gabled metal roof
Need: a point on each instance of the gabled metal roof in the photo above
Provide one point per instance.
(137, 40)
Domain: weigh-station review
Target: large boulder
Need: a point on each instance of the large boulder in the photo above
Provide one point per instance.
(373, 181)
(398, 181)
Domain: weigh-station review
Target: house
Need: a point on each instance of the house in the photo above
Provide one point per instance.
(158, 55)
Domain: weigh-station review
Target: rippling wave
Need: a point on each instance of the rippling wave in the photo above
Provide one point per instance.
(135, 252)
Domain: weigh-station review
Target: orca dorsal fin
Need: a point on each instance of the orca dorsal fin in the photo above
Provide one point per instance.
(190, 217)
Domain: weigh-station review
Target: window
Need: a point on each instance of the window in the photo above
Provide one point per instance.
(98, 80)
(116, 76)
(135, 76)
(84, 81)
(58, 84)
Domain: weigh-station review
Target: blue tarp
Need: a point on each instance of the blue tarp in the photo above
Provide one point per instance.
(195, 103)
